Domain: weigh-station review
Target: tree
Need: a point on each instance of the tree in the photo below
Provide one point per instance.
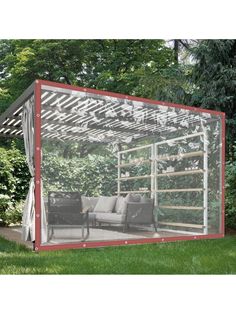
(120, 65)
(23, 61)
(214, 75)
(115, 65)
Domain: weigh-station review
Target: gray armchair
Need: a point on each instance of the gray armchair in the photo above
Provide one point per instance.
(65, 211)
(140, 213)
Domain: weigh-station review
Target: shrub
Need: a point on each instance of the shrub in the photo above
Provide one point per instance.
(20, 172)
(93, 175)
(14, 183)
(230, 199)
(14, 174)
(13, 216)
(7, 180)
(5, 205)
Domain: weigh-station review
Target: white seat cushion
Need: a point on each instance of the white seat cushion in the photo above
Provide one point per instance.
(110, 217)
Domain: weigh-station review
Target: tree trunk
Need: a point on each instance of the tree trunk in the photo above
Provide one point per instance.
(176, 50)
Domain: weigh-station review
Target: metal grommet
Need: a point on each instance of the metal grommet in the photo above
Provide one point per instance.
(84, 245)
(126, 242)
(36, 248)
(38, 115)
(37, 182)
(162, 240)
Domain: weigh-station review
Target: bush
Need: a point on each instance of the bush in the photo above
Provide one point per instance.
(14, 184)
(230, 199)
(93, 175)
(5, 205)
(14, 174)
(20, 173)
(13, 216)
(10, 213)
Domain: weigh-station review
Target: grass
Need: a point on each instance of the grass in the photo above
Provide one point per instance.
(188, 257)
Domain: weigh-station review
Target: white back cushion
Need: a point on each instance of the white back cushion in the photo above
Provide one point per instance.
(105, 204)
(121, 205)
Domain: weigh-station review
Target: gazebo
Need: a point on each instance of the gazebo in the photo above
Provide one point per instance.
(167, 161)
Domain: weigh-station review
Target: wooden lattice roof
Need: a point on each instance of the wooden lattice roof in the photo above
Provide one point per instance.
(85, 115)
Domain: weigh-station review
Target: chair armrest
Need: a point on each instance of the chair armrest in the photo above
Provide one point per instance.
(86, 209)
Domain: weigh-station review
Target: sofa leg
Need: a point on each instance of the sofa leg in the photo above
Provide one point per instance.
(125, 226)
(87, 227)
(155, 226)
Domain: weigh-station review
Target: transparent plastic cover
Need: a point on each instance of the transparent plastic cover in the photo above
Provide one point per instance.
(117, 169)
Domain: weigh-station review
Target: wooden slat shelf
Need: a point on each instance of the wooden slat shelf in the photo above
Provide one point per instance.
(134, 163)
(125, 192)
(180, 190)
(134, 178)
(181, 207)
(178, 224)
(180, 173)
(184, 155)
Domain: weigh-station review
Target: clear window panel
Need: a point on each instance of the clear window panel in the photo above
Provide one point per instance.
(116, 169)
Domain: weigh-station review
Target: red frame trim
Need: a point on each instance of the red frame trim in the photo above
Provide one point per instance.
(123, 96)
(38, 246)
(83, 245)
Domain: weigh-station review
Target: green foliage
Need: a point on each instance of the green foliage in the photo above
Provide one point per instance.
(115, 65)
(5, 204)
(92, 175)
(10, 214)
(5, 201)
(214, 75)
(230, 202)
(7, 182)
(14, 174)
(170, 84)
(119, 65)
(14, 183)
(14, 216)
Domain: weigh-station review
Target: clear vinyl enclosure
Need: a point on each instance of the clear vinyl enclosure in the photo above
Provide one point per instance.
(112, 169)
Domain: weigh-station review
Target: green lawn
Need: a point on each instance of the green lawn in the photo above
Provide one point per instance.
(187, 257)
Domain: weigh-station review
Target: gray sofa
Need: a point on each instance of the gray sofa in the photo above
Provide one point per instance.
(132, 209)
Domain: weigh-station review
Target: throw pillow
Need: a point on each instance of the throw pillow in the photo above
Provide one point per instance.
(105, 204)
(121, 205)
